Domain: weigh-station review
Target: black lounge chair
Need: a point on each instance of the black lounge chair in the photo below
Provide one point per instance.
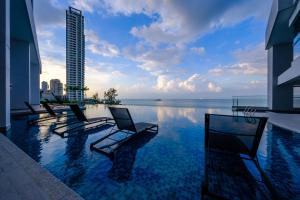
(231, 144)
(57, 98)
(81, 123)
(51, 114)
(126, 129)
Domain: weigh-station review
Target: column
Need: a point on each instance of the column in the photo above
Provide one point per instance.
(4, 65)
(279, 60)
(20, 74)
(35, 84)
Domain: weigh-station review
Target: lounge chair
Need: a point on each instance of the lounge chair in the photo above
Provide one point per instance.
(231, 144)
(58, 99)
(82, 123)
(51, 114)
(126, 129)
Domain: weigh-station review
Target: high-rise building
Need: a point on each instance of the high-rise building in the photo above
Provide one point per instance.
(45, 86)
(56, 87)
(75, 55)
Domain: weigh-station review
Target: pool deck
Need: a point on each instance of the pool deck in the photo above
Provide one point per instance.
(23, 178)
(287, 121)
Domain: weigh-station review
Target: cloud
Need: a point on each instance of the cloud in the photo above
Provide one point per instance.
(193, 84)
(178, 22)
(198, 50)
(153, 59)
(86, 5)
(53, 69)
(100, 47)
(213, 87)
(250, 61)
(48, 13)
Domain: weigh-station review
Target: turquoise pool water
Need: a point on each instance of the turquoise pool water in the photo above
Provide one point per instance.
(166, 165)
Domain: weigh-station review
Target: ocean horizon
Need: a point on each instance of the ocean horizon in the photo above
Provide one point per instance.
(197, 103)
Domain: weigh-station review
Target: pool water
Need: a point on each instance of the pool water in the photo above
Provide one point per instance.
(169, 164)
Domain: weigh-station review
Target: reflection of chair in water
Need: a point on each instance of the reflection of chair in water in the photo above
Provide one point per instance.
(126, 130)
(75, 160)
(231, 145)
(124, 157)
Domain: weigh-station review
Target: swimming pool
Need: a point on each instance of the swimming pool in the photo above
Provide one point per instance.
(169, 164)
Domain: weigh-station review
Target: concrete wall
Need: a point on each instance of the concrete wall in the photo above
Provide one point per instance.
(4, 64)
(20, 74)
(280, 97)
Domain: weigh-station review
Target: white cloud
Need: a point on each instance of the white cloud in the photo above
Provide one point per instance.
(153, 59)
(86, 5)
(179, 22)
(250, 61)
(193, 84)
(213, 87)
(53, 69)
(99, 46)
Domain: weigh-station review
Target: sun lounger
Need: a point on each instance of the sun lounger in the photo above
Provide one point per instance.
(126, 129)
(51, 114)
(82, 123)
(230, 143)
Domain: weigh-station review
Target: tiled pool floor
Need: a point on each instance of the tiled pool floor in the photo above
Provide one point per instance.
(169, 164)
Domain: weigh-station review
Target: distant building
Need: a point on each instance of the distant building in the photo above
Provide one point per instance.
(283, 45)
(56, 87)
(20, 64)
(45, 86)
(75, 54)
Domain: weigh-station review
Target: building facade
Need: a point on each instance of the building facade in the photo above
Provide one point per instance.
(75, 54)
(45, 86)
(282, 43)
(20, 64)
(56, 87)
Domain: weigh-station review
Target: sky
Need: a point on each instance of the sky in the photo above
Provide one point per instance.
(161, 48)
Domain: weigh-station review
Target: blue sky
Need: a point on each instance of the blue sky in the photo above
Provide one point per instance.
(162, 48)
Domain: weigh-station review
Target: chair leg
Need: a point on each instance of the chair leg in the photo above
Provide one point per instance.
(267, 181)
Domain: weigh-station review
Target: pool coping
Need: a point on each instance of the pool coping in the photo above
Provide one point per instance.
(23, 178)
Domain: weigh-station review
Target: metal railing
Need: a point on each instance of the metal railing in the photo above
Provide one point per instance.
(249, 101)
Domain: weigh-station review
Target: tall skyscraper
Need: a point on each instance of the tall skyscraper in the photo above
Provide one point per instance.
(75, 55)
(56, 87)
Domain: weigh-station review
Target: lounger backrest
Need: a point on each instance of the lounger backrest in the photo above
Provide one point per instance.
(78, 113)
(30, 107)
(234, 134)
(57, 98)
(122, 118)
(49, 109)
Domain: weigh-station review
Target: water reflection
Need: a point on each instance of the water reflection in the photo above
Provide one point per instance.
(75, 159)
(124, 158)
(283, 161)
(171, 164)
(29, 138)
